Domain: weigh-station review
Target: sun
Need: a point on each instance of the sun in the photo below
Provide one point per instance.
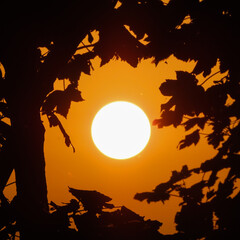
(120, 130)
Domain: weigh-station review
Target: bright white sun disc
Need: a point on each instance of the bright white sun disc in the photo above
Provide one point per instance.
(120, 130)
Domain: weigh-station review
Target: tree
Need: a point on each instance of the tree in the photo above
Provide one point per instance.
(210, 207)
(28, 74)
(93, 216)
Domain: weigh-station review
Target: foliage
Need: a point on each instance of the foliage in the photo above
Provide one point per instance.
(209, 207)
(210, 37)
(92, 216)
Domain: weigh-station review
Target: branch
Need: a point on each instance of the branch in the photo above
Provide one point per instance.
(210, 77)
(10, 183)
(86, 46)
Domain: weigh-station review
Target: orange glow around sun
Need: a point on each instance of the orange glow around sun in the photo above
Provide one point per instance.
(89, 169)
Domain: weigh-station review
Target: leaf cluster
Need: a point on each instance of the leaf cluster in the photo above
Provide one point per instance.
(59, 102)
(211, 36)
(92, 214)
(209, 208)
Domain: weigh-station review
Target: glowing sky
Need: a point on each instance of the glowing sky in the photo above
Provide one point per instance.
(89, 169)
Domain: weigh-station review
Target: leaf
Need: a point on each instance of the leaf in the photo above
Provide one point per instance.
(89, 194)
(152, 196)
(73, 206)
(168, 105)
(169, 87)
(129, 215)
(216, 97)
(92, 201)
(205, 65)
(215, 139)
(186, 77)
(54, 121)
(194, 193)
(187, 97)
(63, 106)
(77, 64)
(190, 139)
(52, 101)
(170, 118)
(178, 176)
(116, 41)
(61, 100)
(73, 94)
(195, 121)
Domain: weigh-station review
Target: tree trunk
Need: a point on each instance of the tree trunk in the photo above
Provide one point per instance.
(29, 162)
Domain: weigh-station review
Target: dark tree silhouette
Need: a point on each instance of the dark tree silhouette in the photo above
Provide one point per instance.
(209, 208)
(211, 36)
(93, 216)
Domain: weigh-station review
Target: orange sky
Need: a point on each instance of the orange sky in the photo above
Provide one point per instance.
(89, 169)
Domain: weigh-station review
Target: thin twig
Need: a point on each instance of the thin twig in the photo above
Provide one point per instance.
(209, 77)
(79, 48)
(10, 184)
(86, 46)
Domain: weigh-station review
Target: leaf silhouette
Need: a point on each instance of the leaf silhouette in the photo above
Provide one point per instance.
(72, 206)
(117, 41)
(152, 196)
(168, 118)
(205, 65)
(61, 100)
(190, 139)
(92, 201)
(54, 121)
(129, 215)
(200, 122)
(77, 64)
